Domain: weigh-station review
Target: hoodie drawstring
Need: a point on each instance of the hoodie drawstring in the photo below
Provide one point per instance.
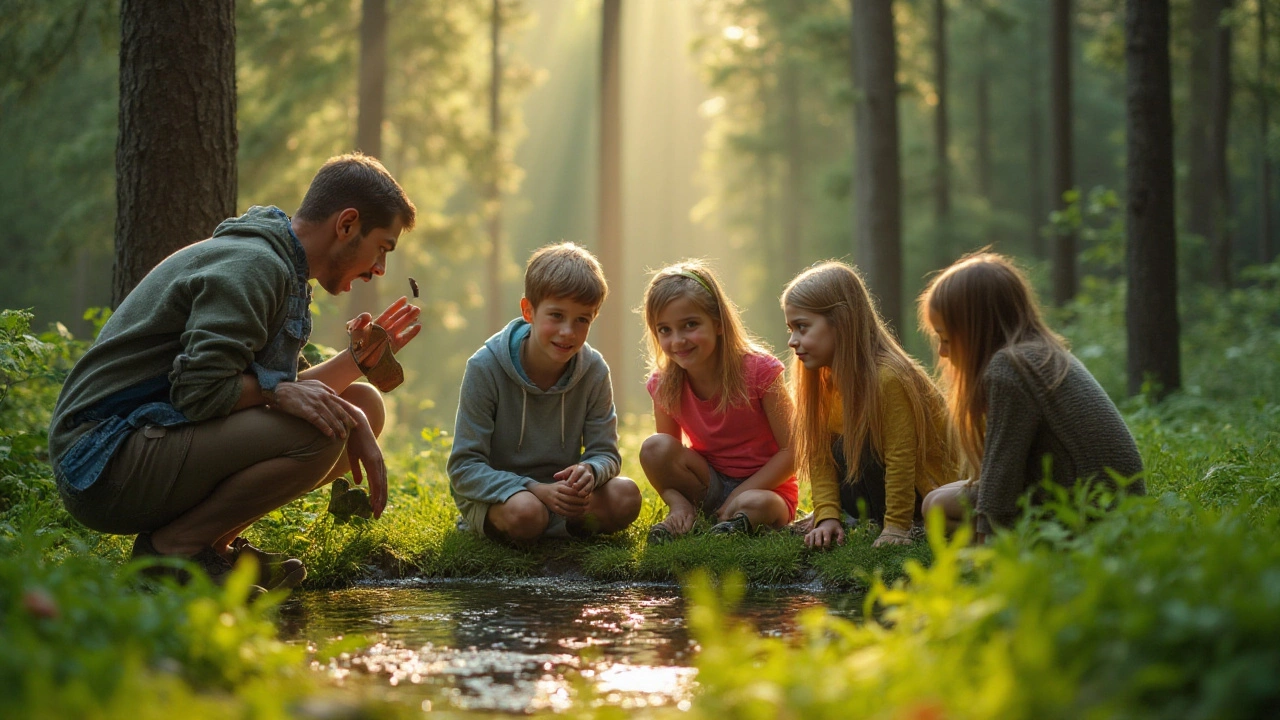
(561, 421)
(524, 402)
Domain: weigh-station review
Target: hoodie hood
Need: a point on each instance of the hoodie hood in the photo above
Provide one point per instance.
(271, 224)
(500, 345)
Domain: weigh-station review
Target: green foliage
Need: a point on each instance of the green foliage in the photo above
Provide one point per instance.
(1157, 610)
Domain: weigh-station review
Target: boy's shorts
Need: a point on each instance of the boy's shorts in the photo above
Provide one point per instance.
(474, 514)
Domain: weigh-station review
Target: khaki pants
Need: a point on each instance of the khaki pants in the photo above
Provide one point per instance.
(160, 473)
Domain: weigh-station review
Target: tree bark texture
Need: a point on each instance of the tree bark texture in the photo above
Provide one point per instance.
(610, 208)
(1035, 141)
(1198, 193)
(982, 88)
(493, 199)
(176, 148)
(1151, 304)
(793, 207)
(877, 181)
(941, 138)
(371, 110)
(1060, 127)
(1219, 172)
(1266, 250)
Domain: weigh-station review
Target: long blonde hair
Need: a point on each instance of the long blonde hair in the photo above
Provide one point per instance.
(986, 304)
(694, 280)
(863, 345)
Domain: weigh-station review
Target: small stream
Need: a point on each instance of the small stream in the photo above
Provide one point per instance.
(521, 646)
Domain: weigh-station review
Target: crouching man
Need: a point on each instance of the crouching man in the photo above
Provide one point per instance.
(188, 419)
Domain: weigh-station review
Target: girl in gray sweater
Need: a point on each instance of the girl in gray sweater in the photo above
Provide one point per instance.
(1023, 408)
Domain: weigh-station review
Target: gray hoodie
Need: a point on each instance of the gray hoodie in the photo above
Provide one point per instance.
(509, 433)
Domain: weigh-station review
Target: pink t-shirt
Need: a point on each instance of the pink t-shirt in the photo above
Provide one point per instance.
(739, 441)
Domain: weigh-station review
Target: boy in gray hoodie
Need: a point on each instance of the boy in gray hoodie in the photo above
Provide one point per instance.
(535, 448)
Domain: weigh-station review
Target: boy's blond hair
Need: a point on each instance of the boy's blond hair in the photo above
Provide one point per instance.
(565, 270)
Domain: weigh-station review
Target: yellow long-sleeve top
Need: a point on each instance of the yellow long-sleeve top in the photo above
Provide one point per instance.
(904, 473)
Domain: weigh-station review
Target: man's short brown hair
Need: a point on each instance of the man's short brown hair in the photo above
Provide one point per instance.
(357, 181)
(565, 270)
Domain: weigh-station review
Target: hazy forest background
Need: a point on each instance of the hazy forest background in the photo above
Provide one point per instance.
(737, 144)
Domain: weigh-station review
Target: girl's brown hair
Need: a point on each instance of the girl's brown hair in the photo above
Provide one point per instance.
(985, 304)
(694, 280)
(863, 345)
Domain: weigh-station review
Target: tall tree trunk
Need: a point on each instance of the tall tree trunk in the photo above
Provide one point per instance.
(1151, 304)
(371, 109)
(793, 206)
(877, 181)
(1219, 172)
(176, 148)
(1198, 193)
(941, 139)
(610, 210)
(1266, 250)
(492, 197)
(1060, 127)
(982, 89)
(1035, 138)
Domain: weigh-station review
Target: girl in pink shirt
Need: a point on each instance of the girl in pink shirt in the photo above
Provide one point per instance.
(719, 387)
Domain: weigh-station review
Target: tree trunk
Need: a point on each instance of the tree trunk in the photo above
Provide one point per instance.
(371, 109)
(610, 210)
(1151, 305)
(176, 148)
(493, 199)
(793, 207)
(1035, 141)
(983, 110)
(1064, 243)
(1198, 194)
(1219, 124)
(877, 181)
(941, 139)
(1266, 250)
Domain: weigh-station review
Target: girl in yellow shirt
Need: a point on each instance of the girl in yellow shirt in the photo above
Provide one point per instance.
(871, 427)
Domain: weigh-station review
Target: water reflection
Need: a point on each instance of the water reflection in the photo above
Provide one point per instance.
(521, 646)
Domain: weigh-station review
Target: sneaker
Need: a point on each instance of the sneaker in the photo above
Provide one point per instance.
(276, 571)
(739, 523)
(216, 567)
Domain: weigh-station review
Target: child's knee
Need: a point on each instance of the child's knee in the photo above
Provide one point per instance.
(626, 496)
(657, 449)
(522, 517)
(367, 398)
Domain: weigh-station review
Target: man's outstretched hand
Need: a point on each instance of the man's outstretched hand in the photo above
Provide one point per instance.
(400, 320)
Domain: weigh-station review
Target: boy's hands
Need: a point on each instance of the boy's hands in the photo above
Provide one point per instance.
(571, 492)
(828, 533)
(579, 477)
(561, 499)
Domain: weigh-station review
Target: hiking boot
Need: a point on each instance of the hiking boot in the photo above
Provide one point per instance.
(216, 567)
(660, 534)
(739, 523)
(276, 571)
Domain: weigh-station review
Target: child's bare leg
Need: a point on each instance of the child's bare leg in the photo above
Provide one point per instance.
(521, 518)
(680, 476)
(951, 500)
(612, 506)
(762, 507)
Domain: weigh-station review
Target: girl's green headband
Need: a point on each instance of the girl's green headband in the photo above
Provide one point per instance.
(698, 279)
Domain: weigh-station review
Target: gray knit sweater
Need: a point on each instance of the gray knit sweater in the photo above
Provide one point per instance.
(1075, 424)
